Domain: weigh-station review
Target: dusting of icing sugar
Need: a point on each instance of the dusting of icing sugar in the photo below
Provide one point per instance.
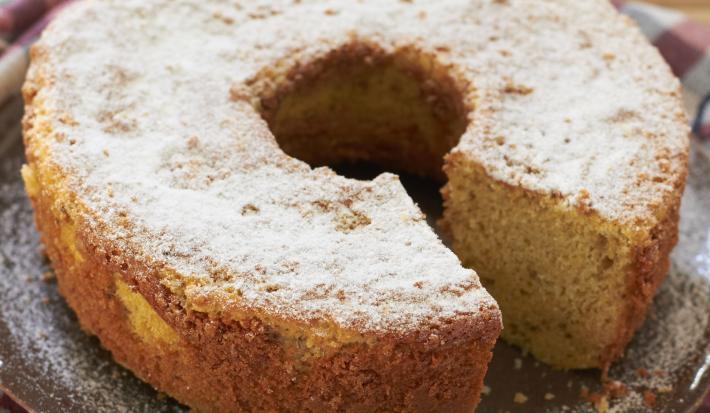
(155, 137)
(184, 166)
(588, 108)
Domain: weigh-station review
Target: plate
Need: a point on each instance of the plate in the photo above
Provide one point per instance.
(49, 365)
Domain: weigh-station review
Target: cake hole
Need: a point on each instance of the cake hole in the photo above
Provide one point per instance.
(363, 111)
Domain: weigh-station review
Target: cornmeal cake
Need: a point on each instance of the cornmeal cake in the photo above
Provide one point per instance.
(175, 154)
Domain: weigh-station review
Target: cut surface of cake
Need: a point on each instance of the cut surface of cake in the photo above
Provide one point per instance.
(165, 148)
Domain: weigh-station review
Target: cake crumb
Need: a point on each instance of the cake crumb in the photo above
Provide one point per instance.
(520, 398)
(249, 209)
(193, 142)
(486, 390)
(350, 220)
(603, 405)
(48, 276)
(615, 388)
(649, 398)
(517, 89)
(549, 396)
(594, 398)
(517, 363)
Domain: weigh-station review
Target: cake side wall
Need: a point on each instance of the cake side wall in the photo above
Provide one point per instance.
(649, 267)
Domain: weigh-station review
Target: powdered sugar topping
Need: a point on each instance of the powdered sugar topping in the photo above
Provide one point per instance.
(143, 121)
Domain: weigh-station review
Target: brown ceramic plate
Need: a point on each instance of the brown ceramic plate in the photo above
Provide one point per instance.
(49, 365)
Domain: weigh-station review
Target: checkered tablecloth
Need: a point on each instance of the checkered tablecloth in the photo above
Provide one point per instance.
(684, 44)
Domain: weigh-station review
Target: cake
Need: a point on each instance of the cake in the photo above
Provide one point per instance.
(177, 158)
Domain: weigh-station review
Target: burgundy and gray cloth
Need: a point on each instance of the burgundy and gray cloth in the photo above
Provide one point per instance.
(684, 44)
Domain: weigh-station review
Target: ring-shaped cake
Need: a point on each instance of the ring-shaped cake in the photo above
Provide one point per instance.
(162, 142)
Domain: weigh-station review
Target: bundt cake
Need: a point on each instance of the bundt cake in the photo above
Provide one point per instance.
(176, 161)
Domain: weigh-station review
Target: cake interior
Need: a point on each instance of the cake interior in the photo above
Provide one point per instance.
(558, 274)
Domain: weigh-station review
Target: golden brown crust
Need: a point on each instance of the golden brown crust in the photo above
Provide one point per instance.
(222, 365)
(651, 262)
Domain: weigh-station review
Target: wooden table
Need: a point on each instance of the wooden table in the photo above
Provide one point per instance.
(697, 9)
